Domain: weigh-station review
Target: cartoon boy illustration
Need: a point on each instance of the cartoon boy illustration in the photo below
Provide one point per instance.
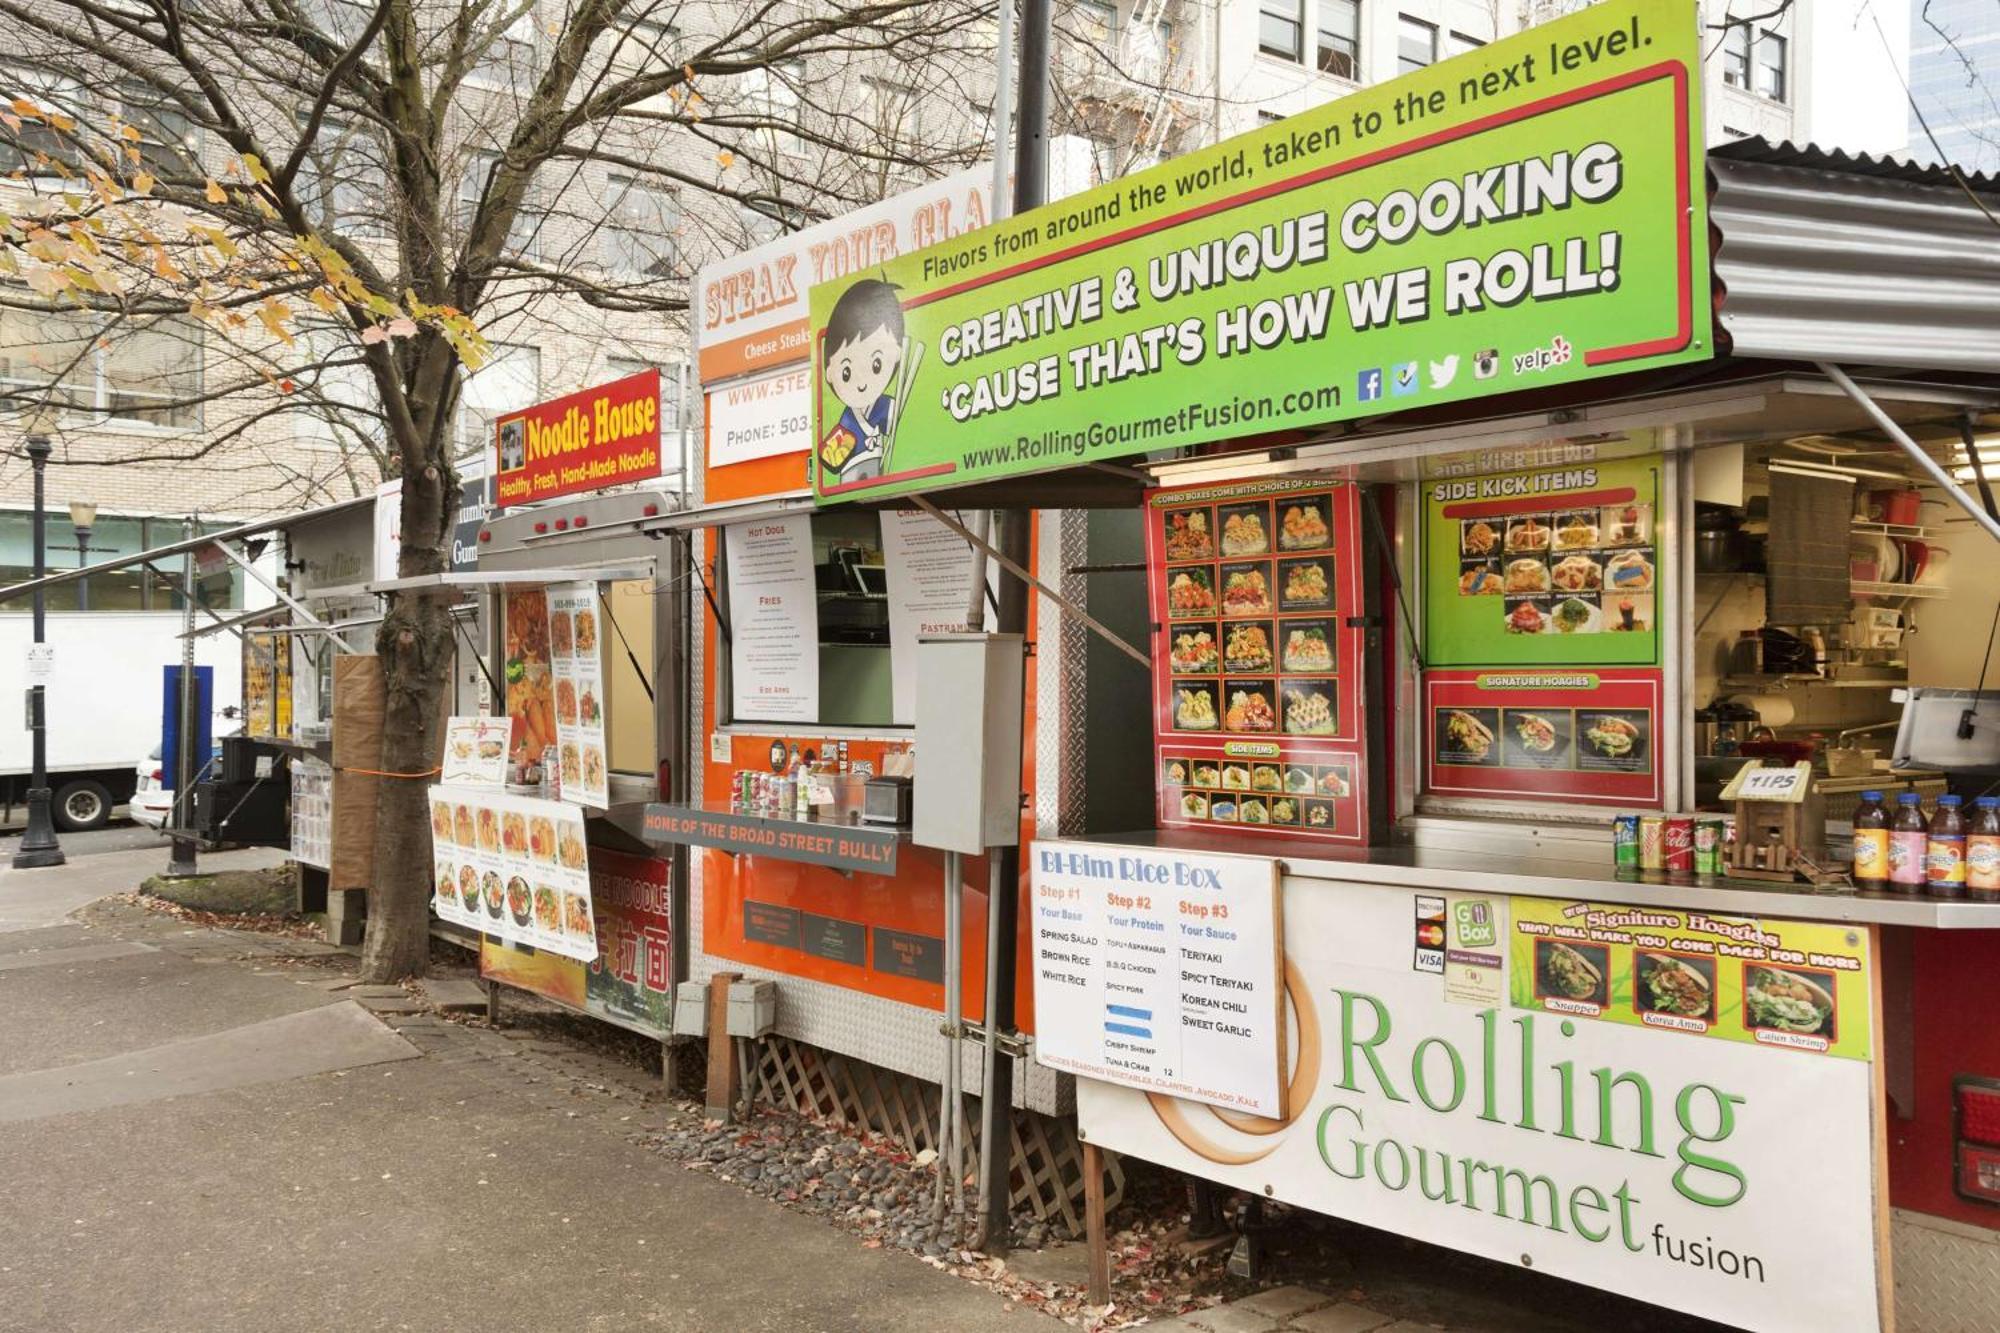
(863, 348)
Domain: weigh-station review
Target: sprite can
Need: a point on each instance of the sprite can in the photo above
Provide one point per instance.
(1625, 841)
(1708, 840)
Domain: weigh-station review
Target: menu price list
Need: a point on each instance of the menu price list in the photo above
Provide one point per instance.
(1159, 971)
(1590, 736)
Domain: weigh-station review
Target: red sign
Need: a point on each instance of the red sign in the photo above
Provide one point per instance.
(1580, 736)
(1257, 667)
(585, 441)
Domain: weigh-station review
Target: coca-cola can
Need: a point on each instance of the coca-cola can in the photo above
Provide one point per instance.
(1679, 850)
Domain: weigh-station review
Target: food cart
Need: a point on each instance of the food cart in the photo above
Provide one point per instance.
(586, 616)
(1425, 404)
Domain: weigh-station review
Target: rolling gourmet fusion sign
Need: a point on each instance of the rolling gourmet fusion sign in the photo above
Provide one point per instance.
(1668, 1105)
(1527, 215)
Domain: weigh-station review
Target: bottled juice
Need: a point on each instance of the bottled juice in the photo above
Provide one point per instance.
(1871, 843)
(1909, 842)
(1944, 857)
(1982, 851)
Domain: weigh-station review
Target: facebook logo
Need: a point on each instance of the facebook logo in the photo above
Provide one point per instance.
(1370, 386)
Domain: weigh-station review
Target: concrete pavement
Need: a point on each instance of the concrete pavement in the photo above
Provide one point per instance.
(199, 1134)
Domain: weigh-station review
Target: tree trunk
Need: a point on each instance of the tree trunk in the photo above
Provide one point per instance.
(415, 645)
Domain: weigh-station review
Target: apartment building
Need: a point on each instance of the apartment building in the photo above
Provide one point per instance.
(1955, 83)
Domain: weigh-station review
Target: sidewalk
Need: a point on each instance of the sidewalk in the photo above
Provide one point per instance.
(203, 1134)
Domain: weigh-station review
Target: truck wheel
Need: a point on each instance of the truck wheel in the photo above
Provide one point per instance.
(82, 805)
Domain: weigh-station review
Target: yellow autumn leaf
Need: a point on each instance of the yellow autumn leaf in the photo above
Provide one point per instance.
(275, 315)
(25, 109)
(726, 158)
(130, 134)
(142, 183)
(255, 166)
(215, 193)
(324, 299)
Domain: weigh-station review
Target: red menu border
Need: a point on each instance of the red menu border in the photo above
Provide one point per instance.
(1617, 689)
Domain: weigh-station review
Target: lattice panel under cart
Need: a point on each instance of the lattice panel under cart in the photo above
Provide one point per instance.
(1046, 1171)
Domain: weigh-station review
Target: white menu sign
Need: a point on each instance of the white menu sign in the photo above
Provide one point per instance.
(930, 585)
(1160, 970)
(576, 663)
(513, 866)
(757, 418)
(773, 621)
(475, 751)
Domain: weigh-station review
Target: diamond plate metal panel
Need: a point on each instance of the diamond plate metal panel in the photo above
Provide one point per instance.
(1947, 1275)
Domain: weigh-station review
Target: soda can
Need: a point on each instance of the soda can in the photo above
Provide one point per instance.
(1652, 842)
(1708, 839)
(1625, 841)
(1679, 850)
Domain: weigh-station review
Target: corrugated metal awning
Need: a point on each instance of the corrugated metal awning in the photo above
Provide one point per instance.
(1864, 261)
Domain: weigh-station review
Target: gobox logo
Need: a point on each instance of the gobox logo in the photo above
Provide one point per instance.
(1543, 358)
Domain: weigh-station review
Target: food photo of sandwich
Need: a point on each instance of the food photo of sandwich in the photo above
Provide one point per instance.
(1571, 972)
(1463, 738)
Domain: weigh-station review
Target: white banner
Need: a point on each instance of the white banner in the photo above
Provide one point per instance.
(1725, 1179)
(475, 751)
(773, 621)
(930, 583)
(757, 418)
(513, 866)
(1159, 970)
(576, 664)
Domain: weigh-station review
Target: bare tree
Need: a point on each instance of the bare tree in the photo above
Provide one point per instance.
(342, 201)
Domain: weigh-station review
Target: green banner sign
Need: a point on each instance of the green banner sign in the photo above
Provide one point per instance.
(1527, 215)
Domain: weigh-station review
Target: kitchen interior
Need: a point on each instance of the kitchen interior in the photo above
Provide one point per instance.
(1830, 575)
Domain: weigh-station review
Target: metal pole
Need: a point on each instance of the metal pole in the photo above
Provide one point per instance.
(1003, 110)
(181, 860)
(83, 559)
(948, 1165)
(1914, 450)
(38, 841)
(1031, 179)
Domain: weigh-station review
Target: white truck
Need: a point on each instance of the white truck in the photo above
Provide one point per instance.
(104, 704)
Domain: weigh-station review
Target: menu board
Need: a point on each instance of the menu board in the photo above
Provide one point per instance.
(576, 660)
(1553, 567)
(929, 577)
(773, 621)
(475, 751)
(1160, 970)
(530, 705)
(267, 684)
(513, 866)
(1795, 984)
(1256, 670)
(1588, 737)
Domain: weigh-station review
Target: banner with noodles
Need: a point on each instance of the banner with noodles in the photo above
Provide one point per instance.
(513, 866)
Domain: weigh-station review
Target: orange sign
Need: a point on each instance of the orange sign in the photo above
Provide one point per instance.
(585, 441)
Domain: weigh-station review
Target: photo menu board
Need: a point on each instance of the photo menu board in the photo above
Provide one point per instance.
(1542, 607)
(1256, 673)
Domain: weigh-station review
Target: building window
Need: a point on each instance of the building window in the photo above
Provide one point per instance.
(1771, 57)
(334, 394)
(22, 147)
(169, 145)
(887, 108)
(1340, 38)
(772, 96)
(343, 184)
(639, 240)
(472, 183)
(130, 589)
(1460, 43)
(148, 373)
(508, 62)
(767, 220)
(1280, 30)
(510, 380)
(1416, 44)
(643, 47)
(1736, 56)
(1269, 117)
(1097, 25)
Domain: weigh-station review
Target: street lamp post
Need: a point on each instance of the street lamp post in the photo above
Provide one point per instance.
(82, 517)
(38, 843)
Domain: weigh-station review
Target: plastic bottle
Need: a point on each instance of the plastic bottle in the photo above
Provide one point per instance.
(1944, 857)
(1982, 851)
(1909, 841)
(1871, 843)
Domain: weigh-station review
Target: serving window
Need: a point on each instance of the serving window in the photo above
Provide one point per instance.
(822, 611)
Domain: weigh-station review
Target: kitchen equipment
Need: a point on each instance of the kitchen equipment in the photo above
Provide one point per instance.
(886, 800)
(1720, 728)
(1772, 710)
(1899, 506)
(1849, 761)
(1933, 571)
(1916, 558)
(1786, 654)
(1776, 753)
(1719, 545)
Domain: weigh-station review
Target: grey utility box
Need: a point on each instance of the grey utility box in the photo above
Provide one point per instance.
(968, 781)
(753, 1008)
(691, 1009)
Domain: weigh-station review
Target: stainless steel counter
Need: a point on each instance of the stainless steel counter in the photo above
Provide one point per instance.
(1532, 876)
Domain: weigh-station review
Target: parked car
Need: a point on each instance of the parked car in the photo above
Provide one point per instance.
(152, 800)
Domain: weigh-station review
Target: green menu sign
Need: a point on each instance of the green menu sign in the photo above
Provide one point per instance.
(1527, 215)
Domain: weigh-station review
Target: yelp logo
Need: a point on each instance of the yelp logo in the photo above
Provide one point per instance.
(1534, 362)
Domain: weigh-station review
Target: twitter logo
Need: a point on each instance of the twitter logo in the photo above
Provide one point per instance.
(1403, 381)
(1444, 372)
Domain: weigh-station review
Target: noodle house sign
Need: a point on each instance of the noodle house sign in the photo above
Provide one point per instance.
(584, 441)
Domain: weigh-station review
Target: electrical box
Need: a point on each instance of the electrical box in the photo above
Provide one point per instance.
(968, 782)
(691, 1009)
(753, 1008)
